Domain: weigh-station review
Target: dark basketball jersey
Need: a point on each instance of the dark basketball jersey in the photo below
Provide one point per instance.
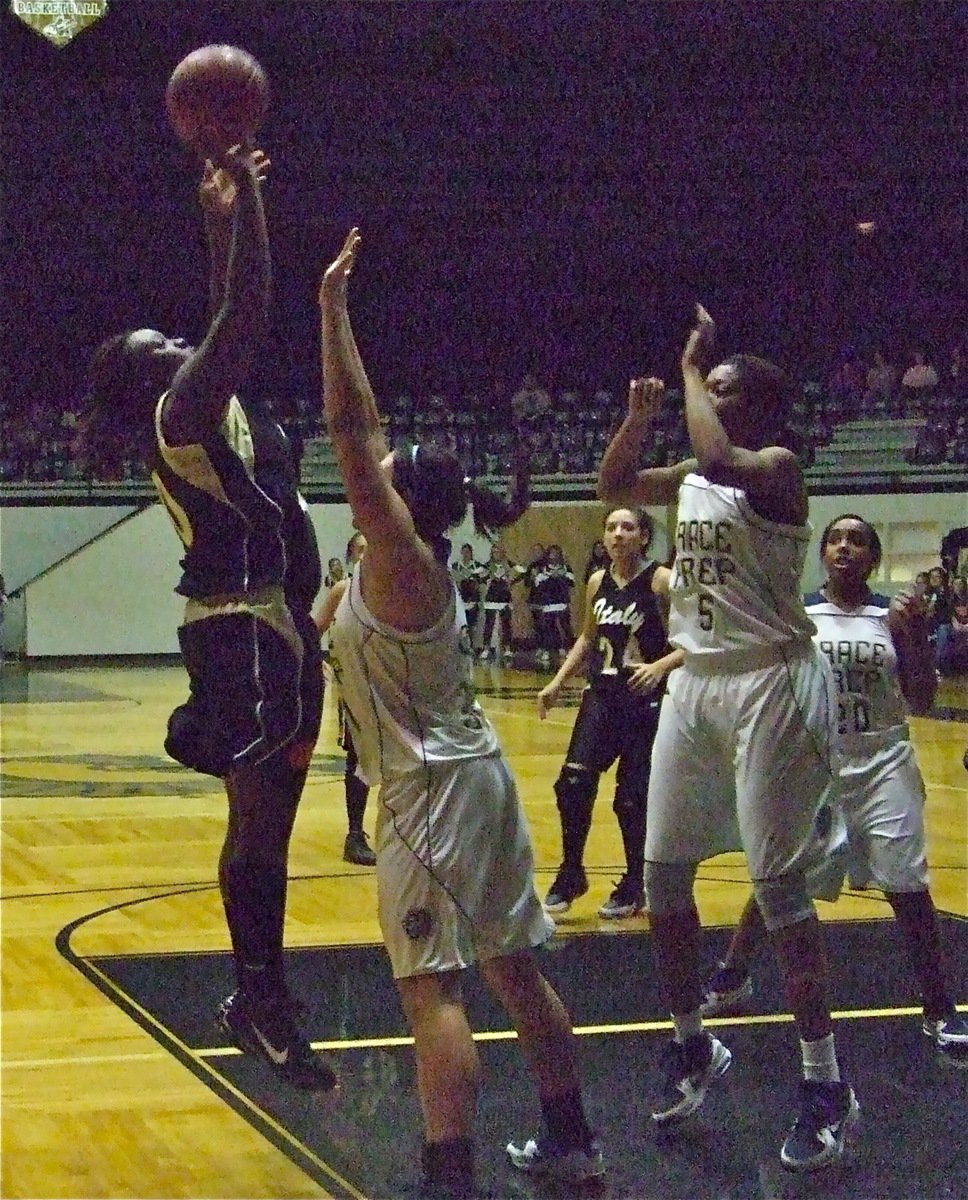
(234, 500)
(628, 627)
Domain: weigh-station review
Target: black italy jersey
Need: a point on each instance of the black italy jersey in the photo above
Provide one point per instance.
(235, 502)
(628, 627)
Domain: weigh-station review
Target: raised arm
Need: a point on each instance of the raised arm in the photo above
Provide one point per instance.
(619, 479)
(352, 419)
(207, 381)
(216, 197)
(771, 475)
(907, 621)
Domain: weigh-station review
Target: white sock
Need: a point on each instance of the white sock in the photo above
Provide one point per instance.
(687, 1026)
(820, 1060)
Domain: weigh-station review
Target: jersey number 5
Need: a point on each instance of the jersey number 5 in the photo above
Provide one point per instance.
(706, 612)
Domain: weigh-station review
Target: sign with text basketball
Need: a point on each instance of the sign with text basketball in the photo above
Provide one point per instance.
(59, 20)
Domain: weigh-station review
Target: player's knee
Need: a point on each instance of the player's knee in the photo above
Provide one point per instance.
(783, 900)
(575, 790)
(668, 887)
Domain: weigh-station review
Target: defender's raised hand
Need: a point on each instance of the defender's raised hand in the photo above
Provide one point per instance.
(337, 274)
(701, 343)
(645, 397)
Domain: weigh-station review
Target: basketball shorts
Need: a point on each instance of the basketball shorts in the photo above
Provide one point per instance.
(255, 690)
(455, 868)
(746, 760)
(882, 805)
(613, 723)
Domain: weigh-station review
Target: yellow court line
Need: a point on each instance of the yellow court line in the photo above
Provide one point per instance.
(507, 1035)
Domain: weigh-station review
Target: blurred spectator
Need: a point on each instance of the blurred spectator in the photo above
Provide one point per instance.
(845, 387)
(501, 575)
(953, 643)
(598, 560)
(919, 381)
(955, 382)
(469, 575)
(530, 402)
(932, 444)
(939, 601)
(536, 561)
(551, 596)
(881, 385)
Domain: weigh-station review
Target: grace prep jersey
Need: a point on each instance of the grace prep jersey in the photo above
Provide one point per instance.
(628, 627)
(859, 647)
(409, 696)
(235, 503)
(736, 577)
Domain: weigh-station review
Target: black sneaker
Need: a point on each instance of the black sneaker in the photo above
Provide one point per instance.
(268, 1030)
(690, 1068)
(626, 900)
(728, 990)
(569, 884)
(356, 849)
(816, 1140)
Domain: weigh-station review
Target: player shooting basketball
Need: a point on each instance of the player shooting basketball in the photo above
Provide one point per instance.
(225, 472)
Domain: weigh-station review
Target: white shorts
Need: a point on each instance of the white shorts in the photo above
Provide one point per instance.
(455, 869)
(882, 805)
(746, 760)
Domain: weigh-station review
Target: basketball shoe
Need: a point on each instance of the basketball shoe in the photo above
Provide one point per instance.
(570, 883)
(626, 900)
(818, 1135)
(267, 1028)
(356, 849)
(541, 1156)
(691, 1066)
(728, 989)
(950, 1035)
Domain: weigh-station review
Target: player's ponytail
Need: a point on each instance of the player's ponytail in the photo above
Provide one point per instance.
(432, 482)
(116, 389)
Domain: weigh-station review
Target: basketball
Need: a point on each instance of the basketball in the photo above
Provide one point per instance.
(216, 97)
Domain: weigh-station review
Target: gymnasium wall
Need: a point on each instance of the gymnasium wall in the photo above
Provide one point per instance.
(114, 596)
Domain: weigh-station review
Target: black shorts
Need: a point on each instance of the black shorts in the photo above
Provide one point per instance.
(250, 696)
(614, 723)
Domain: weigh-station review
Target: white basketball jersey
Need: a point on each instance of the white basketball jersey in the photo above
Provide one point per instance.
(409, 696)
(736, 578)
(860, 649)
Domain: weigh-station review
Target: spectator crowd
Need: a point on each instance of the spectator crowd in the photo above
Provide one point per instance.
(570, 427)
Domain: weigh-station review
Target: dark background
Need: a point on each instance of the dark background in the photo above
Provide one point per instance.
(546, 185)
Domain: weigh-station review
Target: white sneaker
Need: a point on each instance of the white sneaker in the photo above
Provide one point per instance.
(543, 1157)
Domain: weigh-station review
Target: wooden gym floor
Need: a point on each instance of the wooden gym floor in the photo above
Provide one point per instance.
(114, 951)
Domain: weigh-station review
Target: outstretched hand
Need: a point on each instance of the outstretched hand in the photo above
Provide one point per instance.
(336, 276)
(701, 343)
(217, 190)
(908, 612)
(645, 397)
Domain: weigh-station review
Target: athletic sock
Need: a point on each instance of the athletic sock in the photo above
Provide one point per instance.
(686, 1025)
(820, 1060)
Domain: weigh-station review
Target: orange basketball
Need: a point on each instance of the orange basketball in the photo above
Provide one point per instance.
(216, 96)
